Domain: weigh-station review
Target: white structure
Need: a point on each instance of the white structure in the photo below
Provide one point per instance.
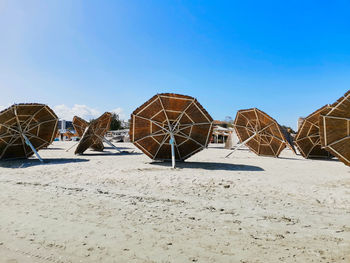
(63, 126)
(232, 139)
(300, 122)
(118, 135)
(227, 136)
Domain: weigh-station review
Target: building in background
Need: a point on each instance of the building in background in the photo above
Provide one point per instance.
(224, 133)
(65, 131)
(118, 135)
(300, 122)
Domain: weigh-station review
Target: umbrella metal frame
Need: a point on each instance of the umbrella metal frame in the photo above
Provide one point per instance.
(323, 130)
(247, 140)
(314, 138)
(24, 133)
(101, 138)
(254, 129)
(173, 128)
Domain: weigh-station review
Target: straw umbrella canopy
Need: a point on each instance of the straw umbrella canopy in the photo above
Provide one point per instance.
(25, 129)
(261, 133)
(170, 126)
(308, 140)
(80, 125)
(335, 129)
(94, 134)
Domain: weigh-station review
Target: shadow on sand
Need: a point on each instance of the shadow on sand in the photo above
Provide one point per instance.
(212, 166)
(310, 159)
(121, 148)
(52, 148)
(25, 163)
(111, 153)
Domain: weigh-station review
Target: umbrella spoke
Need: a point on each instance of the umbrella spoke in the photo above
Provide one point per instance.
(181, 134)
(166, 115)
(337, 118)
(12, 140)
(338, 141)
(151, 135)
(6, 135)
(10, 128)
(186, 126)
(144, 150)
(244, 127)
(177, 121)
(38, 125)
(248, 122)
(32, 118)
(202, 112)
(30, 136)
(161, 144)
(154, 122)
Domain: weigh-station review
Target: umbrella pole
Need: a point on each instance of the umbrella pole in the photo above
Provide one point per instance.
(172, 141)
(79, 139)
(109, 143)
(32, 147)
(72, 146)
(241, 144)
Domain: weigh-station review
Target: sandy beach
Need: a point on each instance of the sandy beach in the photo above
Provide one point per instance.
(110, 207)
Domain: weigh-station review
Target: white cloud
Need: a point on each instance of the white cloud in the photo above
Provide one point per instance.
(83, 111)
(120, 113)
(2, 107)
(67, 113)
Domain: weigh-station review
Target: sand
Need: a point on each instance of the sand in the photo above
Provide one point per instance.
(122, 208)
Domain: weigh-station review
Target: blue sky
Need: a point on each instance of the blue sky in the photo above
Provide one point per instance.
(287, 58)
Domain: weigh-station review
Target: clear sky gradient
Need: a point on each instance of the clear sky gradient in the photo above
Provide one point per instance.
(287, 58)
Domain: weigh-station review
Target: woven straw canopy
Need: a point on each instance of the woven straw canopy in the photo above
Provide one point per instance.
(335, 129)
(80, 127)
(308, 137)
(35, 122)
(170, 115)
(93, 136)
(261, 133)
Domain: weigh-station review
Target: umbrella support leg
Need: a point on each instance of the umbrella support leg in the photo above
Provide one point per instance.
(110, 144)
(72, 146)
(32, 147)
(172, 142)
(241, 144)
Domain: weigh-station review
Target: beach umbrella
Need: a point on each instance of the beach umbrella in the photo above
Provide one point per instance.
(93, 135)
(335, 129)
(80, 125)
(25, 129)
(307, 139)
(170, 127)
(261, 133)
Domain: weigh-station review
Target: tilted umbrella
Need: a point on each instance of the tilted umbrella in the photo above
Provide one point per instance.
(261, 133)
(94, 133)
(170, 126)
(80, 126)
(26, 128)
(307, 139)
(335, 129)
